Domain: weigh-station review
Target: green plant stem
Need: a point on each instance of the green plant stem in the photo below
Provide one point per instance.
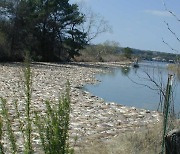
(27, 74)
(1, 145)
(53, 127)
(9, 126)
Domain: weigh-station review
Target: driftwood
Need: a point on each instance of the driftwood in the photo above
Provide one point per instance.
(172, 142)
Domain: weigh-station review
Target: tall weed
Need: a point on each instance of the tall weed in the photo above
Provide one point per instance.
(52, 127)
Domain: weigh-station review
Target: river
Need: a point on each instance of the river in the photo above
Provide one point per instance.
(131, 86)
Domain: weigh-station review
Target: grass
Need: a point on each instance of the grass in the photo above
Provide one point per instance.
(175, 68)
(142, 141)
(139, 142)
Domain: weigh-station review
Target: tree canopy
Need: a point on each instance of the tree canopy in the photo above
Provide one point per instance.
(48, 29)
(127, 52)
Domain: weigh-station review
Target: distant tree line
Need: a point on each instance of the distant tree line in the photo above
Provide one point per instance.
(111, 51)
(152, 55)
(49, 29)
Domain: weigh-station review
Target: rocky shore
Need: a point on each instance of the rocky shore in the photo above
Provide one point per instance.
(91, 117)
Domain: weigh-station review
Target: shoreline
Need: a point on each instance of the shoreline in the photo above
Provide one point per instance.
(91, 117)
(116, 118)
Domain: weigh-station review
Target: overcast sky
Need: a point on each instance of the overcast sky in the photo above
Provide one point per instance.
(138, 23)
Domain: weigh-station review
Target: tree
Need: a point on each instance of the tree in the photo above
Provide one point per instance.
(94, 24)
(49, 29)
(107, 51)
(57, 28)
(127, 52)
(4, 52)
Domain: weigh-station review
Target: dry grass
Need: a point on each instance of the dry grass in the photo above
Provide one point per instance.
(175, 68)
(144, 141)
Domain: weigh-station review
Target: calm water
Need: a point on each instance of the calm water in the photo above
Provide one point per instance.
(131, 87)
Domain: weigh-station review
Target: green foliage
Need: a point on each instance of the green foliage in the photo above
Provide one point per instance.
(10, 133)
(1, 131)
(4, 49)
(48, 29)
(28, 88)
(53, 127)
(127, 52)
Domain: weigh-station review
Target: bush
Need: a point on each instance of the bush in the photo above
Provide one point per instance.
(53, 127)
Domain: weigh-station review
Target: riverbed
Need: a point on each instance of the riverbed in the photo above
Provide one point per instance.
(91, 117)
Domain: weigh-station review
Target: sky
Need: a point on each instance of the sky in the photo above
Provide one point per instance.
(138, 24)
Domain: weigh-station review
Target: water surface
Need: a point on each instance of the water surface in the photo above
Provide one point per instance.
(133, 86)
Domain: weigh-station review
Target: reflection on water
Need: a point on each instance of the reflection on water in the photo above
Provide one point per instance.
(125, 70)
(131, 86)
(178, 76)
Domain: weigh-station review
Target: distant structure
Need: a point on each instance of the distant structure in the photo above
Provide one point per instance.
(136, 64)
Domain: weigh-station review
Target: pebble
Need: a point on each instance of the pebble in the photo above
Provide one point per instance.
(90, 115)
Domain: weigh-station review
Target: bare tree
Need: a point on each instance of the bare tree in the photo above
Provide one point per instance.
(176, 66)
(168, 116)
(170, 29)
(95, 24)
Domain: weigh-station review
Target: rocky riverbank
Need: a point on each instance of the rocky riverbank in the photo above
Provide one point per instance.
(91, 117)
